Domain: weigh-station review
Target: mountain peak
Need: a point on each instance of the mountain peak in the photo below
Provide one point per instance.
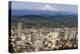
(48, 7)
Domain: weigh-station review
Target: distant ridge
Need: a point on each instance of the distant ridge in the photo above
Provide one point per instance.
(39, 12)
(70, 20)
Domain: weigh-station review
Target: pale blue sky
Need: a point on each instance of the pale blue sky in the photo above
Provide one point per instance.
(36, 6)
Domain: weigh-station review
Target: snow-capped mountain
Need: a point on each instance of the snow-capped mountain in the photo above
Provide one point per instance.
(45, 10)
(48, 8)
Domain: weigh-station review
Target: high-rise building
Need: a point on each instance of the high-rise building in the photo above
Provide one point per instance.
(67, 33)
(19, 29)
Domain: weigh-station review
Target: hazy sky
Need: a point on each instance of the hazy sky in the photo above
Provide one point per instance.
(38, 6)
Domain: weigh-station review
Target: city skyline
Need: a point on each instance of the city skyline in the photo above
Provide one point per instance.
(42, 27)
